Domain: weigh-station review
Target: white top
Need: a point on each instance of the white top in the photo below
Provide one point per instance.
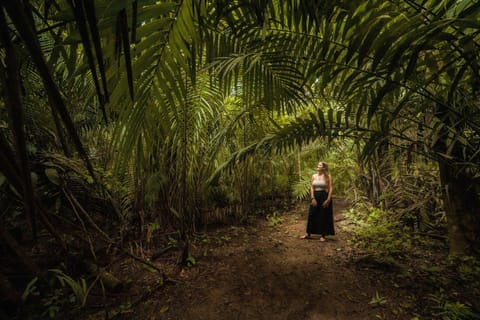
(319, 183)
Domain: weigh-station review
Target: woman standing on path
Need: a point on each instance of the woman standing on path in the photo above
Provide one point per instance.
(320, 212)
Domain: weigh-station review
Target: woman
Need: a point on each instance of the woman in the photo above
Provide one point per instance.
(320, 212)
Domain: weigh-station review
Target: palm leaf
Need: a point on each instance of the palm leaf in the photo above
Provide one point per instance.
(26, 30)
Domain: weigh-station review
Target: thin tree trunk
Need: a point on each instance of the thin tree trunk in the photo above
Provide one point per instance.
(11, 80)
(184, 212)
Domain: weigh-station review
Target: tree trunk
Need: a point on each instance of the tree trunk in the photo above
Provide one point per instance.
(461, 203)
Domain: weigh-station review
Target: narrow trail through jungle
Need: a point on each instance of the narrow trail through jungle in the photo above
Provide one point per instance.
(262, 271)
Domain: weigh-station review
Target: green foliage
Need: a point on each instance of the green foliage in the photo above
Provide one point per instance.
(138, 110)
(274, 219)
(59, 294)
(172, 242)
(191, 261)
(31, 289)
(222, 240)
(381, 237)
(468, 270)
(377, 300)
(78, 287)
(301, 187)
(448, 310)
(457, 311)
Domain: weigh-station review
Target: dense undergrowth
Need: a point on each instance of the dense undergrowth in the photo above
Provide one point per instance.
(442, 286)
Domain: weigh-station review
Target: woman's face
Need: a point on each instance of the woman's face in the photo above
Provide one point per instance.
(321, 166)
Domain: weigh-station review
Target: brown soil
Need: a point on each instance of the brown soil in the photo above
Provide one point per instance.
(263, 271)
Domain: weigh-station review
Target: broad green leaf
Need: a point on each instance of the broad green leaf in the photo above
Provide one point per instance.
(52, 175)
(155, 39)
(157, 25)
(145, 13)
(113, 7)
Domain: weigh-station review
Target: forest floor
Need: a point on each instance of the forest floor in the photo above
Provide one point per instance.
(263, 270)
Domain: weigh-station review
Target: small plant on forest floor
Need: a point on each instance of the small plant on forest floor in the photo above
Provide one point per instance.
(223, 239)
(58, 292)
(468, 269)
(274, 220)
(172, 242)
(445, 309)
(191, 261)
(236, 231)
(377, 300)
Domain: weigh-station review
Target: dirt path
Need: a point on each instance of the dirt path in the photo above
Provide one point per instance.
(265, 272)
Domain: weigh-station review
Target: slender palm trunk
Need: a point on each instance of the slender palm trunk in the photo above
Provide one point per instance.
(184, 212)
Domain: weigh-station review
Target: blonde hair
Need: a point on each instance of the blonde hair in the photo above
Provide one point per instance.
(326, 173)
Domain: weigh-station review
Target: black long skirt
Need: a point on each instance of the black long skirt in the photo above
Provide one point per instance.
(320, 219)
